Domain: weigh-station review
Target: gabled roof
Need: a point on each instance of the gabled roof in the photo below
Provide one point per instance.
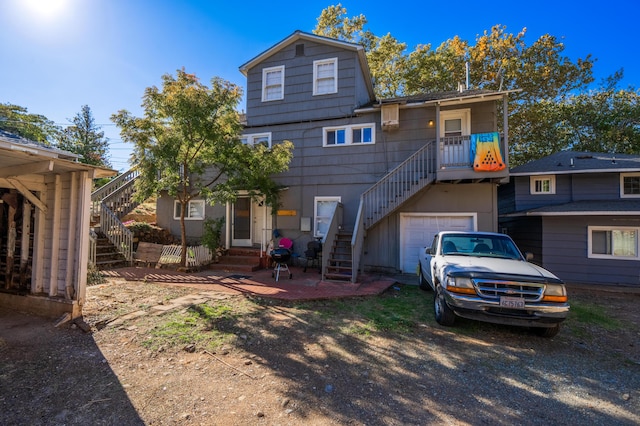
(567, 162)
(300, 35)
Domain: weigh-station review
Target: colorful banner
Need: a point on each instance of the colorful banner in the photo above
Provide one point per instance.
(485, 152)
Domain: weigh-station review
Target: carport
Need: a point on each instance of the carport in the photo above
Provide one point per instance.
(44, 227)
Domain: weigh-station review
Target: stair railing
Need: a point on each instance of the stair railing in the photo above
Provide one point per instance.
(330, 236)
(399, 185)
(116, 232)
(116, 195)
(112, 186)
(386, 195)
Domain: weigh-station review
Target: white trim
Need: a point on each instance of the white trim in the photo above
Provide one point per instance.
(441, 227)
(266, 71)
(253, 138)
(463, 114)
(534, 179)
(334, 77)
(348, 134)
(612, 256)
(337, 200)
(622, 193)
(188, 215)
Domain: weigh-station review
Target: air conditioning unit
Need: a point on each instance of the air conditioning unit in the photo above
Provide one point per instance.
(390, 116)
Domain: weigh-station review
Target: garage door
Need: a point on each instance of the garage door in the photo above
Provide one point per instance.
(417, 231)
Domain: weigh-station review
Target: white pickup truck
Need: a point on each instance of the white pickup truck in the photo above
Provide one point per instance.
(484, 276)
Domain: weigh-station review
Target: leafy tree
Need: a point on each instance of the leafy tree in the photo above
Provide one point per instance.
(603, 120)
(15, 119)
(497, 61)
(85, 138)
(187, 143)
(385, 55)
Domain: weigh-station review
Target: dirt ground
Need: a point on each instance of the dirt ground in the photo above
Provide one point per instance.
(316, 363)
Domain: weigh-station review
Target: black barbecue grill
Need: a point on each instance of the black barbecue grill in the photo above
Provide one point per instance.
(281, 256)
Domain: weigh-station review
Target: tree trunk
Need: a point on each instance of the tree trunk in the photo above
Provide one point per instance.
(183, 236)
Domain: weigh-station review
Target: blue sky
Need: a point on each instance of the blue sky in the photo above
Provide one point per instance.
(57, 55)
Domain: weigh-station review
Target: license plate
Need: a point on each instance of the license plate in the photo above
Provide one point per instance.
(512, 302)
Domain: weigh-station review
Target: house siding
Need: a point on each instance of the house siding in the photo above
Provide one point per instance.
(382, 246)
(299, 104)
(565, 252)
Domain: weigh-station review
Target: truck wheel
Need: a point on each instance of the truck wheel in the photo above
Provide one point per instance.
(424, 285)
(547, 331)
(443, 313)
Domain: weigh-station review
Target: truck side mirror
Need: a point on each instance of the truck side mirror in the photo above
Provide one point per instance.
(529, 256)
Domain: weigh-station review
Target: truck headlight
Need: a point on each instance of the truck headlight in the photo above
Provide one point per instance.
(555, 293)
(459, 285)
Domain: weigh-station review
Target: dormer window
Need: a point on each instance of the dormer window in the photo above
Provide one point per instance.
(273, 83)
(325, 76)
(630, 185)
(542, 185)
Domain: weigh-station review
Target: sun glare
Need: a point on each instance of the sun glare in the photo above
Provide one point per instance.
(46, 9)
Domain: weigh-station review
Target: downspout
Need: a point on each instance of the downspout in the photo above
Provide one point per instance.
(437, 138)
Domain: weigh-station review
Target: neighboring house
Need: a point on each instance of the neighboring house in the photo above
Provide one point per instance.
(44, 227)
(385, 175)
(579, 214)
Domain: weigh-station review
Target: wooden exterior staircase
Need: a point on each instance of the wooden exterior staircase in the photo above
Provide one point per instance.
(111, 241)
(381, 199)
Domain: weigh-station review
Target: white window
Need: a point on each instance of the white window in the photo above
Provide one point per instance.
(349, 135)
(325, 76)
(195, 210)
(257, 138)
(455, 123)
(629, 185)
(324, 208)
(273, 83)
(542, 185)
(619, 243)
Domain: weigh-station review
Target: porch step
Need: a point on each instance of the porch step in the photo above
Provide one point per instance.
(241, 259)
(107, 256)
(339, 264)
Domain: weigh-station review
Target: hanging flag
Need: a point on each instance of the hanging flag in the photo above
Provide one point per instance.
(485, 152)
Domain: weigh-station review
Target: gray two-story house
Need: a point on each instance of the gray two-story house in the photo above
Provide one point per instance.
(579, 214)
(378, 177)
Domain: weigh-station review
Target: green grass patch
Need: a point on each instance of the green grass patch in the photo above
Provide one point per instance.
(591, 314)
(208, 326)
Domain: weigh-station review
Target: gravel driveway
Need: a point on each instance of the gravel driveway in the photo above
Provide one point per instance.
(297, 364)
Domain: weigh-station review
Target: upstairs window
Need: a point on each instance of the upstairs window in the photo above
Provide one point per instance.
(325, 76)
(349, 135)
(273, 83)
(257, 138)
(629, 185)
(543, 185)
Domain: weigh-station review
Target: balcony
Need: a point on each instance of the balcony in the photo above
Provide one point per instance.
(455, 162)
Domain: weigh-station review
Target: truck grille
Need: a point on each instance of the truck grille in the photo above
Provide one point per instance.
(492, 289)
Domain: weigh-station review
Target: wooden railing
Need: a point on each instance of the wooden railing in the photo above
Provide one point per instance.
(116, 232)
(389, 193)
(111, 202)
(398, 185)
(330, 236)
(115, 185)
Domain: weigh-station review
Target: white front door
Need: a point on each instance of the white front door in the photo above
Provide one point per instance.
(418, 229)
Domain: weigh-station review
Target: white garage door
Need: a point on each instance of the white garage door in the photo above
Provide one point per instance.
(417, 231)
